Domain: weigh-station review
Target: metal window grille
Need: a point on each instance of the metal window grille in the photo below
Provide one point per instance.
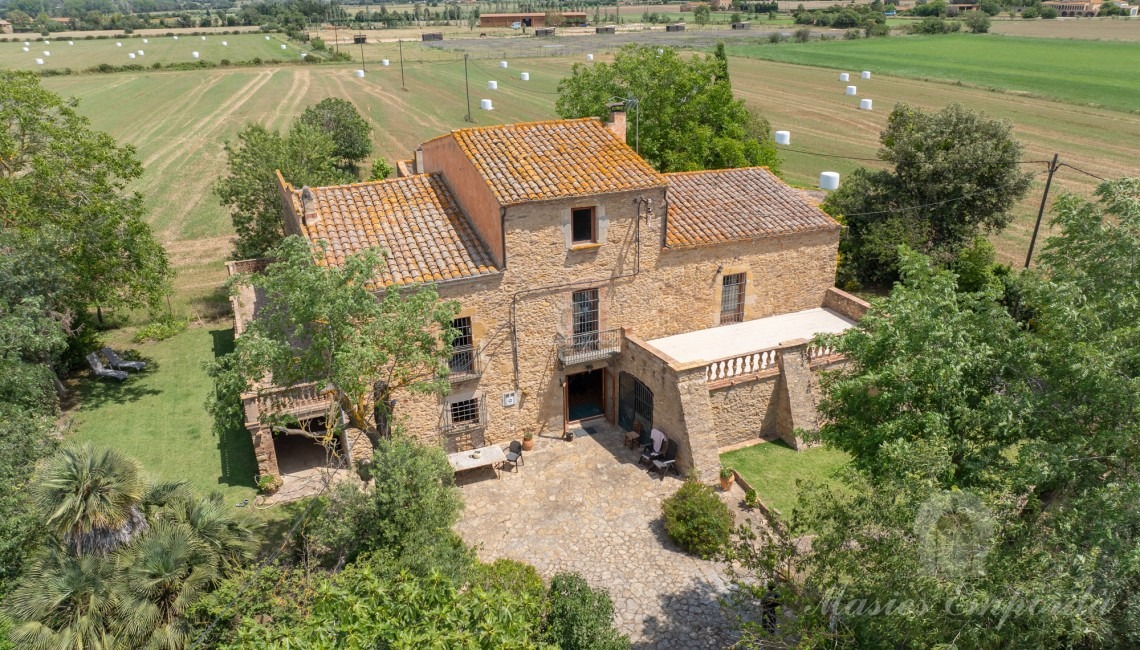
(582, 225)
(465, 412)
(586, 319)
(732, 299)
(462, 348)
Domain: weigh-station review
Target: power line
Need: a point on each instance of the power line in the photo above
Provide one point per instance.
(832, 155)
(1083, 171)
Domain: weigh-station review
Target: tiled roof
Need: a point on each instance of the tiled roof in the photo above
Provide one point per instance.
(711, 207)
(539, 161)
(414, 218)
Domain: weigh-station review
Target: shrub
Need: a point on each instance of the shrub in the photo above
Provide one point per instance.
(380, 169)
(580, 618)
(1049, 13)
(874, 30)
(776, 37)
(161, 329)
(697, 519)
(978, 23)
(1030, 13)
(852, 35)
(802, 35)
(509, 576)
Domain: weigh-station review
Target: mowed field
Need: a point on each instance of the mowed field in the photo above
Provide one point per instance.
(1083, 72)
(179, 121)
(161, 49)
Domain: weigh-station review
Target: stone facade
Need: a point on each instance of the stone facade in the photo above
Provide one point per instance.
(646, 289)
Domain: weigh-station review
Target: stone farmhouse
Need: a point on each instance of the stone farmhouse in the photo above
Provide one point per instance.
(592, 287)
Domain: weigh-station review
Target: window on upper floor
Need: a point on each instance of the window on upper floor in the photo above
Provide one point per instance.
(462, 361)
(583, 226)
(732, 298)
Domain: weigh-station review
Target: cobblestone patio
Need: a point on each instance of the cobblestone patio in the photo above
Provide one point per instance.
(586, 506)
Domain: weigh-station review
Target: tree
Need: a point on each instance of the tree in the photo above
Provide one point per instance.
(91, 498)
(304, 156)
(992, 495)
(350, 133)
(127, 559)
(581, 618)
(380, 170)
(412, 503)
(72, 233)
(686, 116)
(701, 14)
(956, 174)
(364, 343)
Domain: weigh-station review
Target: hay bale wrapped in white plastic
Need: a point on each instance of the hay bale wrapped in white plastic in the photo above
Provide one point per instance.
(866, 74)
(359, 74)
(851, 91)
(865, 104)
(829, 181)
(843, 76)
(485, 104)
(502, 64)
(525, 76)
(194, 54)
(492, 85)
(783, 137)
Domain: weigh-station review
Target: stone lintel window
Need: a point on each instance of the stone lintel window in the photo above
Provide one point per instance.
(583, 226)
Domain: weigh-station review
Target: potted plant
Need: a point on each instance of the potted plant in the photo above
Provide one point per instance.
(751, 500)
(727, 478)
(528, 441)
(268, 483)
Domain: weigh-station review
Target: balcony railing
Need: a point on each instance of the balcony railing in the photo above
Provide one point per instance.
(591, 346)
(300, 400)
(741, 365)
(464, 363)
(470, 420)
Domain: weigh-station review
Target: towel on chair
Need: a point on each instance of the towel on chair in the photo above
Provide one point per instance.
(657, 436)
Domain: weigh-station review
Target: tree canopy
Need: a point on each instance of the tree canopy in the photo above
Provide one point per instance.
(685, 117)
(305, 155)
(992, 495)
(72, 234)
(350, 133)
(327, 325)
(955, 174)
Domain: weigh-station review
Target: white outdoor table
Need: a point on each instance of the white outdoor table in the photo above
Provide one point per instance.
(462, 461)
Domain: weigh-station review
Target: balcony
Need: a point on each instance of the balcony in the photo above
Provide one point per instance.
(591, 346)
(464, 364)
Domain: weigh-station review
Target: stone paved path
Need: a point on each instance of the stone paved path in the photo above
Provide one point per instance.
(586, 506)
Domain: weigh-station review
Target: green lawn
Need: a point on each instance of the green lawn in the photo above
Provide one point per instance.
(772, 468)
(1075, 71)
(159, 417)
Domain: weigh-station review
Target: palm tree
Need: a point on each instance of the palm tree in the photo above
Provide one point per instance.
(228, 538)
(64, 602)
(90, 498)
(161, 574)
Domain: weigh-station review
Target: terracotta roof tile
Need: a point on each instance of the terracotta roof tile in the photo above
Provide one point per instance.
(539, 161)
(712, 207)
(414, 218)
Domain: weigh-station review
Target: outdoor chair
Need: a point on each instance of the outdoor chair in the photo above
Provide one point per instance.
(666, 462)
(118, 363)
(100, 371)
(514, 454)
(647, 453)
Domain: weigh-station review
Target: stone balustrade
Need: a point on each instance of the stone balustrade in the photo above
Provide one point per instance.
(741, 365)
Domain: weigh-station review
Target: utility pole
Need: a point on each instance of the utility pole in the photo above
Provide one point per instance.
(362, 65)
(467, 84)
(1041, 210)
(402, 86)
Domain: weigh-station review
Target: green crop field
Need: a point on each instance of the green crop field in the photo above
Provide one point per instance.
(85, 54)
(1079, 71)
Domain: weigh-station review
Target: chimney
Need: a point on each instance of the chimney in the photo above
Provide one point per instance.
(309, 207)
(420, 160)
(616, 123)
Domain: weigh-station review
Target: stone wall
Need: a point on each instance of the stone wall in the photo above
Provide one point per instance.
(745, 410)
(681, 405)
(840, 301)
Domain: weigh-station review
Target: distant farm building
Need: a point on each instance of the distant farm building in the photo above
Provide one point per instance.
(529, 20)
(1075, 9)
(5, 27)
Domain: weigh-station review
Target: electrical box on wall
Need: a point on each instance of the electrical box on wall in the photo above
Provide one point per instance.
(510, 398)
